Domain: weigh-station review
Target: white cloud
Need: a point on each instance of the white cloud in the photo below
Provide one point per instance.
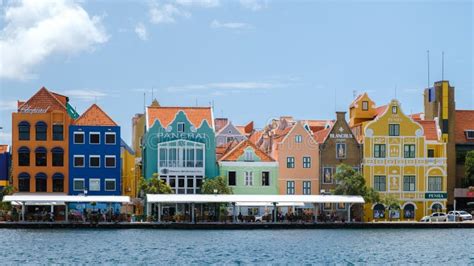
(141, 31)
(199, 3)
(166, 13)
(7, 105)
(85, 94)
(35, 30)
(254, 5)
(229, 86)
(215, 24)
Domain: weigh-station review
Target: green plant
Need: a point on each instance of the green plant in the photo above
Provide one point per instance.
(469, 170)
(154, 185)
(216, 185)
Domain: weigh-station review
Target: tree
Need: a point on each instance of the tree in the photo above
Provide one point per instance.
(7, 190)
(219, 184)
(154, 185)
(392, 204)
(469, 169)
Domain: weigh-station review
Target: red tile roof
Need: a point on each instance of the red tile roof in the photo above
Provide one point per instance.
(238, 151)
(321, 135)
(380, 110)
(94, 116)
(417, 116)
(3, 148)
(45, 99)
(429, 128)
(464, 121)
(221, 150)
(317, 125)
(166, 115)
(255, 137)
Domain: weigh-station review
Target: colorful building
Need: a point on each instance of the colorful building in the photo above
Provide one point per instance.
(94, 153)
(405, 159)
(248, 170)
(5, 161)
(130, 176)
(40, 143)
(179, 146)
(227, 132)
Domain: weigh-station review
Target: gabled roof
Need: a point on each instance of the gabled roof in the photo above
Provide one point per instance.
(221, 150)
(94, 116)
(166, 115)
(126, 147)
(318, 125)
(353, 103)
(321, 135)
(380, 110)
(429, 128)
(255, 137)
(238, 151)
(417, 116)
(45, 99)
(220, 123)
(464, 121)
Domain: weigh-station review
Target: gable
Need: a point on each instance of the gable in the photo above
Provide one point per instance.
(43, 101)
(167, 115)
(238, 153)
(94, 116)
(229, 130)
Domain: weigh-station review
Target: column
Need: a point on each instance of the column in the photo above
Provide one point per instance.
(159, 212)
(148, 209)
(66, 212)
(348, 212)
(23, 211)
(233, 213)
(192, 213)
(274, 212)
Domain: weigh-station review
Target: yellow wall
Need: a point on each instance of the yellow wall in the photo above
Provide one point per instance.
(129, 179)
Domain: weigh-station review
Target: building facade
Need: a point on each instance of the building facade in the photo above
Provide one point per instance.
(130, 176)
(40, 143)
(5, 161)
(404, 159)
(227, 133)
(94, 153)
(179, 146)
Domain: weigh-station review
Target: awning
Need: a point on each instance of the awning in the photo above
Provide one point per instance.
(34, 203)
(246, 199)
(268, 204)
(45, 198)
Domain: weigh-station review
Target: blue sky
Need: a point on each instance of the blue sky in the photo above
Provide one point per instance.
(255, 60)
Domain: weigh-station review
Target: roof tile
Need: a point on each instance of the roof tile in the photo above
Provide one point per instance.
(94, 116)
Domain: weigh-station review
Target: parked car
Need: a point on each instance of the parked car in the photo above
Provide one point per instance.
(459, 216)
(435, 217)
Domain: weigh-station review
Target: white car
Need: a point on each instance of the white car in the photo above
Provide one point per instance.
(435, 217)
(459, 215)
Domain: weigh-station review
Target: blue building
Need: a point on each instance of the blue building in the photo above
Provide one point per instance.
(94, 154)
(4, 165)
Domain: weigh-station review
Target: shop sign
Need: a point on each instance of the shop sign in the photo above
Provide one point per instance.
(436, 195)
(33, 110)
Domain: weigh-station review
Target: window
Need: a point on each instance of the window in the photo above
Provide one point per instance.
(409, 150)
(409, 183)
(394, 109)
(94, 184)
(306, 187)
(327, 206)
(41, 182)
(306, 162)
(470, 134)
(24, 131)
(265, 179)
(109, 184)
(94, 161)
(436, 208)
(24, 182)
(231, 176)
(435, 183)
(249, 155)
(298, 138)
(229, 139)
(180, 127)
(409, 211)
(340, 150)
(94, 138)
(79, 161)
(380, 183)
(379, 211)
(431, 153)
(248, 178)
(23, 156)
(365, 105)
(41, 129)
(327, 175)
(41, 156)
(290, 187)
(110, 161)
(78, 184)
(379, 150)
(58, 156)
(58, 182)
(290, 162)
(394, 130)
(58, 132)
(78, 137)
(109, 138)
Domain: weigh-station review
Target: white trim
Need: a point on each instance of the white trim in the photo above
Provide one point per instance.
(74, 184)
(90, 187)
(293, 128)
(78, 133)
(180, 124)
(115, 161)
(110, 133)
(105, 184)
(58, 197)
(83, 161)
(248, 164)
(94, 156)
(90, 133)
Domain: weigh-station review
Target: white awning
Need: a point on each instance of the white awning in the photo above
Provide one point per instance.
(267, 204)
(34, 203)
(249, 199)
(54, 199)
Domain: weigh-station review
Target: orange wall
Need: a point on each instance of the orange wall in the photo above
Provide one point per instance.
(289, 148)
(32, 144)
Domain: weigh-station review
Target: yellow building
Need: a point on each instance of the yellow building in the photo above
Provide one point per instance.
(129, 175)
(403, 158)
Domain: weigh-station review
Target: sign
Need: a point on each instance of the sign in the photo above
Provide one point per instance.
(340, 136)
(181, 171)
(188, 136)
(33, 110)
(436, 195)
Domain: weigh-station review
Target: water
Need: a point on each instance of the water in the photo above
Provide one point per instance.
(142, 246)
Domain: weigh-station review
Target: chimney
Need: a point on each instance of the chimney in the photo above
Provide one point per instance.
(341, 116)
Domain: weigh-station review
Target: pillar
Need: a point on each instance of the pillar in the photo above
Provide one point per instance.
(23, 211)
(159, 212)
(192, 213)
(66, 213)
(274, 212)
(234, 214)
(148, 209)
(348, 212)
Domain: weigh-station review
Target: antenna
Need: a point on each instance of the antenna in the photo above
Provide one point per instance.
(442, 65)
(428, 59)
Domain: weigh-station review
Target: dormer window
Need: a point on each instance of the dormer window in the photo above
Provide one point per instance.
(298, 138)
(365, 106)
(180, 127)
(248, 155)
(469, 134)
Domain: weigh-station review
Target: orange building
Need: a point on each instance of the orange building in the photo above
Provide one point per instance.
(40, 143)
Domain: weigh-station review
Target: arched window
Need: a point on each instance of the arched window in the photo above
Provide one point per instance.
(41, 130)
(24, 182)
(41, 182)
(23, 156)
(409, 211)
(24, 130)
(58, 156)
(41, 156)
(379, 211)
(436, 207)
(58, 182)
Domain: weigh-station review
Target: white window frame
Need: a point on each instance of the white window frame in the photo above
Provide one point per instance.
(365, 105)
(83, 161)
(110, 133)
(298, 138)
(94, 156)
(293, 187)
(248, 155)
(90, 184)
(90, 135)
(307, 188)
(467, 133)
(179, 124)
(308, 162)
(105, 184)
(74, 184)
(248, 178)
(115, 161)
(79, 133)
